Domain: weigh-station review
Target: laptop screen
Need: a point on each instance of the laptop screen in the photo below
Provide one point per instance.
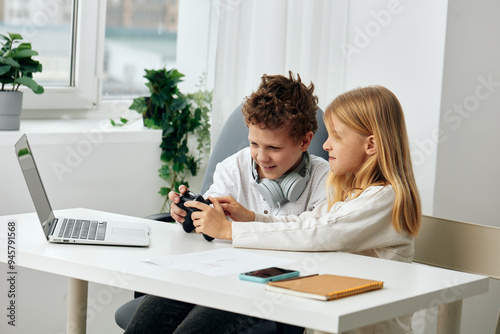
(34, 182)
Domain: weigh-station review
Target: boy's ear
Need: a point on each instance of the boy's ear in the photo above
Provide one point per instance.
(306, 141)
(371, 145)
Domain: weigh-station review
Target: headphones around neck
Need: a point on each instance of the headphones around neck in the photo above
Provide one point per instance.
(291, 187)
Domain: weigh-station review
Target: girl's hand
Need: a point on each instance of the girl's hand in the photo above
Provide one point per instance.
(177, 213)
(211, 221)
(235, 210)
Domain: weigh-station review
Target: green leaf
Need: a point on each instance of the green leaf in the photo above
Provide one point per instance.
(193, 166)
(151, 123)
(23, 152)
(14, 36)
(164, 191)
(39, 90)
(28, 82)
(9, 54)
(176, 76)
(178, 168)
(164, 172)
(25, 53)
(4, 69)
(167, 129)
(24, 46)
(122, 122)
(139, 105)
(28, 65)
(9, 61)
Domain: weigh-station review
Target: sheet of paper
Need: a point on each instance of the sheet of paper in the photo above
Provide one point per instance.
(219, 262)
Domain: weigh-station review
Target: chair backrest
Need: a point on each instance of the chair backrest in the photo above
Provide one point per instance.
(234, 137)
(459, 246)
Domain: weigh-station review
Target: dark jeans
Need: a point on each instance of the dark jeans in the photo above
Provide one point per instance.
(161, 315)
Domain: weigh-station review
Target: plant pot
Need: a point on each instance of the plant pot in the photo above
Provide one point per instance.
(11, 104)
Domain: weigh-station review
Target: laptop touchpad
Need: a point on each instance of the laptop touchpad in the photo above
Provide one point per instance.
(131, 232)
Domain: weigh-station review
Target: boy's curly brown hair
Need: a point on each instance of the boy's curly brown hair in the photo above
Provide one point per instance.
(280, 102)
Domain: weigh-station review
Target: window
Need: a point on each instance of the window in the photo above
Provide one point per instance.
(41, 22)
(139, 35)
(66, 35)
(92, 49)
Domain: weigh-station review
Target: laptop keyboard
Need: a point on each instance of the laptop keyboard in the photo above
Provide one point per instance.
(82, 229)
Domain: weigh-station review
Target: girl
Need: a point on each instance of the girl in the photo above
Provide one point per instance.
(373, 206)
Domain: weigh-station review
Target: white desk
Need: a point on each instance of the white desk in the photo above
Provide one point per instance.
(408, 287)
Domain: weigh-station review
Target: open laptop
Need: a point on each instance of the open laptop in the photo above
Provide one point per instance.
(74, 230)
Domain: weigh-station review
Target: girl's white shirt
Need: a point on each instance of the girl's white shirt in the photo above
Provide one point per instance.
(362, 225)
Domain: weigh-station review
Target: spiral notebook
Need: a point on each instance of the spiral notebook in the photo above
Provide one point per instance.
(324, 287)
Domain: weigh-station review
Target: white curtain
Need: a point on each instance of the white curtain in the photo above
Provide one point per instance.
(257, 37)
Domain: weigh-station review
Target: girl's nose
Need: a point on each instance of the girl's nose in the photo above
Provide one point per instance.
(326, 146)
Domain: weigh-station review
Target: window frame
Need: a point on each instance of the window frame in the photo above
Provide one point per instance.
(87, 45)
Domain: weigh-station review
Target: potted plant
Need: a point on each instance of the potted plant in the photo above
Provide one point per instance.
(180, 117)
(16, 69)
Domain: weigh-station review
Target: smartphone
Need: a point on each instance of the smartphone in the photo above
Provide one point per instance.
(268, 274)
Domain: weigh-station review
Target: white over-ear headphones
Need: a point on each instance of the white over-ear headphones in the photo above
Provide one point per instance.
(291, 187)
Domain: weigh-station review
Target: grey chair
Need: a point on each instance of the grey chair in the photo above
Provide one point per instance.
(232, 138)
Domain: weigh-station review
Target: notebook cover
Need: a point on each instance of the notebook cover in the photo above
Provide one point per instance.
(324, 287)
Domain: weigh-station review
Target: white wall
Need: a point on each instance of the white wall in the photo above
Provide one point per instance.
(468, 161)
(389, 44)
(467, 174)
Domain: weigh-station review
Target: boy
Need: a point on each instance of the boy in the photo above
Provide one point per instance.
(275, 175)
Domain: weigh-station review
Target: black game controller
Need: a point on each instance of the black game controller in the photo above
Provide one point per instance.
(188, 222)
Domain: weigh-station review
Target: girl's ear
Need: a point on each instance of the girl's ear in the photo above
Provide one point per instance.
(371, 147)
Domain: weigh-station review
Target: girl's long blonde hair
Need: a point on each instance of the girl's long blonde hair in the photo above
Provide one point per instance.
(376, 111)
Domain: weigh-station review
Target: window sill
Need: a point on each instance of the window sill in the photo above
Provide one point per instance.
(54, 131)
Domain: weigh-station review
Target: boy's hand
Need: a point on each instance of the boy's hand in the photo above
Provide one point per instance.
(211, 221)
(177, 213)
(235, 210)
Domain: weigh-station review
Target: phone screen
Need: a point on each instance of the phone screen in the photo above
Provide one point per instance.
(268, 272)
